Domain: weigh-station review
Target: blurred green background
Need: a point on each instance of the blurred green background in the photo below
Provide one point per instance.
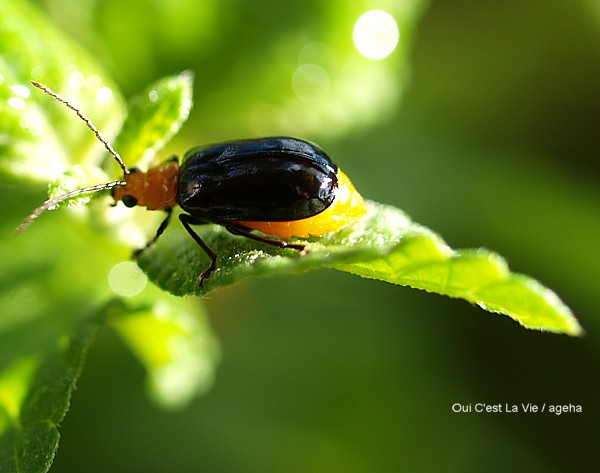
(490, 137)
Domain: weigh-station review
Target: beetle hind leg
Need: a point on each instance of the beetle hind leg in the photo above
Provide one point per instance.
(244, 231)
(236, 229)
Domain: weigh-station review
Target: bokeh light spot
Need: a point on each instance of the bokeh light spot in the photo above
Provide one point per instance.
(104, 95)
(127, 279)
(153, 96)
(310, 82)
(17, 103)
(376, 34)
(21, 91)
(76, 80)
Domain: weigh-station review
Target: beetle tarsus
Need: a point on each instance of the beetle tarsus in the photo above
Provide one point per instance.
(208, 272)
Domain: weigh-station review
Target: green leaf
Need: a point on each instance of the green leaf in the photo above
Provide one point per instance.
(385, 245)
(34, 397)
(154, 117)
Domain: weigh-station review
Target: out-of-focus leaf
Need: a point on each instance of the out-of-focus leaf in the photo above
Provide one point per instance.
(310, 78)
(38, 139)
(175, 345)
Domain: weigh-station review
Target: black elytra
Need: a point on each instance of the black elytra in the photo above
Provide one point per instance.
(266, 179)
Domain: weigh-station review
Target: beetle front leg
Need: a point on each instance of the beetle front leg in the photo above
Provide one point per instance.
(159, 231)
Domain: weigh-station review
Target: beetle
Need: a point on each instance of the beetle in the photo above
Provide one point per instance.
(279, 186)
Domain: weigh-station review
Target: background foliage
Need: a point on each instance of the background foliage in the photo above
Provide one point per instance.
(494, 143)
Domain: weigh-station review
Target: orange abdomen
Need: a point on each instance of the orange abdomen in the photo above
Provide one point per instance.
(346, 209)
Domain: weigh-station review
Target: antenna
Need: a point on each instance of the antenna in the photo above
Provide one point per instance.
(87, 121)
(51, 203)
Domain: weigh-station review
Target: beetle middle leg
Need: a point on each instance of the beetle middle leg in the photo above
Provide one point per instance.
(187, 220)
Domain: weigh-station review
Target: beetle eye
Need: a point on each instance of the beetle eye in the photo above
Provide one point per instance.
(129, 200)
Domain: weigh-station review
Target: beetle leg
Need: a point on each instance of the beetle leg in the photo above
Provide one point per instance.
(187, 220)
(244, 231)
(159, 231)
